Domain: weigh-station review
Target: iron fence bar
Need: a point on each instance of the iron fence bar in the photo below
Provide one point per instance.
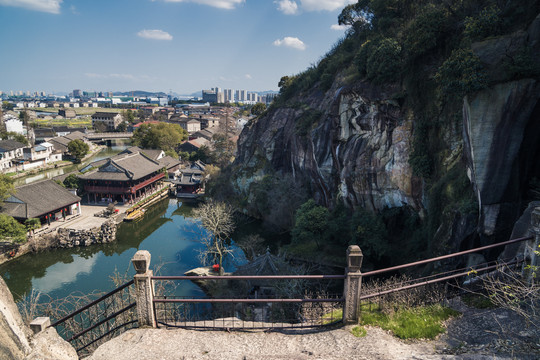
(110, 317)
(76, 312)
(428, 282)
(247, 300)
(251, 277)
(102, 336)
(427, 261)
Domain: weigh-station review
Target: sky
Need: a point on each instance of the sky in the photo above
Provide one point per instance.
(179, 46)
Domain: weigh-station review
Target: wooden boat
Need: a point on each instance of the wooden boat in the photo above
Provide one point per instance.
(135, 215)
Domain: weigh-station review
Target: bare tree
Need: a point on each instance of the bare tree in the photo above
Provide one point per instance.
(218, 219)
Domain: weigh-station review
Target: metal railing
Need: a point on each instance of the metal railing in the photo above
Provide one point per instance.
(259, 310)
(444, 276)
(100, 320)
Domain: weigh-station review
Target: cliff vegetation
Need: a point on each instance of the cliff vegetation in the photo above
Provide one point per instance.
(414, 135)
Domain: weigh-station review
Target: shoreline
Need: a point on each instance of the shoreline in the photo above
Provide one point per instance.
(74, 232)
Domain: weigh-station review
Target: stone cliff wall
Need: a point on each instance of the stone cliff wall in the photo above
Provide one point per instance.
(354, 142)
(357, 148)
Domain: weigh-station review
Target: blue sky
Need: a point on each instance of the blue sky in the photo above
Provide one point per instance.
(161, 45)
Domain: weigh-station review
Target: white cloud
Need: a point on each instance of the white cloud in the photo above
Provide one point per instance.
(339, 27)
(248, 76)
(155, 34)
(221, 4)
(328, 5)
(287, 7)
(49, 6)
(292, 42)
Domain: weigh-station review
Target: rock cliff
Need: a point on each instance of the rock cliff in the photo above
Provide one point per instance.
(354, 142)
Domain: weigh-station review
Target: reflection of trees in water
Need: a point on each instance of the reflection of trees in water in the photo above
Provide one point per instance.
(131, 234)
(19, 273)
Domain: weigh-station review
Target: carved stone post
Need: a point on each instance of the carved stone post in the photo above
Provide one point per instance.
(144, 290)
(353, 283)
(533, 253)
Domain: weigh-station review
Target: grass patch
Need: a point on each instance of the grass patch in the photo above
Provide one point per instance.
(477, 301)
(425, 322)
(331, 317)
(359, 331)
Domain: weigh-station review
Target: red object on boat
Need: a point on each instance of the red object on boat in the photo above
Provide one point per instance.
(215, 267)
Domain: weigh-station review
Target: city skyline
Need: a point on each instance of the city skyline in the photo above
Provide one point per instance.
(179, 46)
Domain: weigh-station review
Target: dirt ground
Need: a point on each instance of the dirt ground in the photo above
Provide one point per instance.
(476, 335)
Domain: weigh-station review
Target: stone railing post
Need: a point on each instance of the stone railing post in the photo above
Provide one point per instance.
(353, 283)
(144, 290)
(533, 253)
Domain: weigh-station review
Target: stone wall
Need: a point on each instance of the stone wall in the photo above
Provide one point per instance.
(67, 238)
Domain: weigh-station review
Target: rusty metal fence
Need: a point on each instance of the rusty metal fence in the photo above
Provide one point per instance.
(262, 309)
(100, 320)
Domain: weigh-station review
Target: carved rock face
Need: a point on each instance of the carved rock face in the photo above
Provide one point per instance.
(357, 148)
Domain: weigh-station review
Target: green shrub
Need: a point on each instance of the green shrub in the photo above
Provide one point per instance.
(370, 233)
(425, 32)
(461, 74)
(487, 23)
(384, 64)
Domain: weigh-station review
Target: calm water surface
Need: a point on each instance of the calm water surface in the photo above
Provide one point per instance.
(166, 231)
(51, 173)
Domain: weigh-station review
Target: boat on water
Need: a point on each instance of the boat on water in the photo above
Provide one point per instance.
(136, 214)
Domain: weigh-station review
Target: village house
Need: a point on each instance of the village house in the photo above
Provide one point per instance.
(44, 200)
(61, 143)
(40, 155)
(190, 125)
(111, 120)
(67, 113)
(193, 145)
(10, 151)
(43, 134)
(124, 178)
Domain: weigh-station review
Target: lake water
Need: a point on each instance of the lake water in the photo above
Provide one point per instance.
(166, 231)
(51, 173)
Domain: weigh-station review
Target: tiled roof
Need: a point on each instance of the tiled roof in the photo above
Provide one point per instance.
(9, 145)
(38, 198)
(124, 167)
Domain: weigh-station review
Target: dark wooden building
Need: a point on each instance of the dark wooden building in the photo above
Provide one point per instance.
(45, 200)
(123, 178)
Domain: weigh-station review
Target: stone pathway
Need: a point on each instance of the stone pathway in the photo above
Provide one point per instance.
(477, 335)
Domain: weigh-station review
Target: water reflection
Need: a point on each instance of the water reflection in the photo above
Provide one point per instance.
(61, 274)
(51, 173)
(166, 230)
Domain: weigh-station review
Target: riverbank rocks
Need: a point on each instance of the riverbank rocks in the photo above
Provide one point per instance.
(67, 238)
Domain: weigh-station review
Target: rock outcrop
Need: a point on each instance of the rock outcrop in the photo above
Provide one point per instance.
(14, 334)
(18, 342)
(356, 148)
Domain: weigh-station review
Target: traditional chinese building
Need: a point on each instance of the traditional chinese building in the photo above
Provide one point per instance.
(124, 178)
(44, 200)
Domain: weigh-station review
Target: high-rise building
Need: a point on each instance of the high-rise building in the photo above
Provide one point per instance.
(77, 93)
(228, 95)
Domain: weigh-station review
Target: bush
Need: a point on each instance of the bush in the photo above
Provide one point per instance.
(461, 74)
(384, 63)
(424, 33)
(310, 225)
(11, 230)
(487, 23)
(370, 233)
